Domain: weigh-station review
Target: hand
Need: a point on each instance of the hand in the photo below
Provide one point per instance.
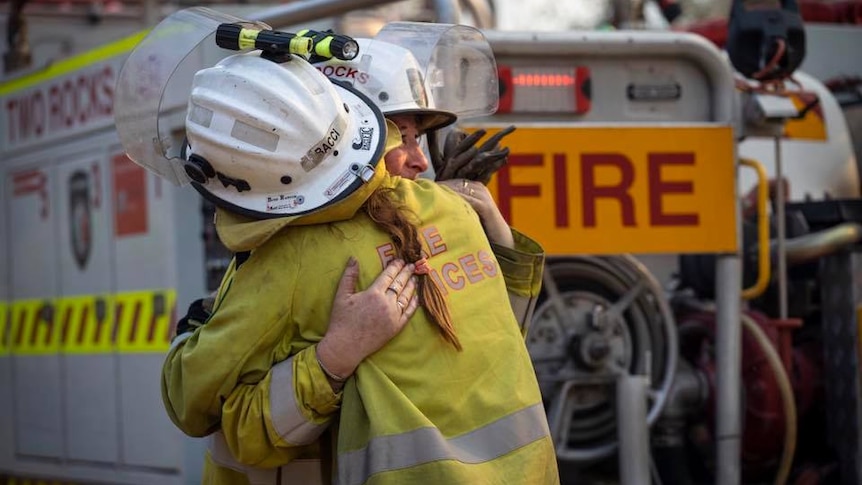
(478, 196)
(461, 159)
(361, 323)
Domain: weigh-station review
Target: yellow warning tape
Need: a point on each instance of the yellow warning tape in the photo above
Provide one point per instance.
(129, 322)
(85, 324)
(144, 321)
(74, 63)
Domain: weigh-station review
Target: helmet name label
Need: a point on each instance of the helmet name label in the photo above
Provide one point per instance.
(319, 151)
(282, 202)
(344, 73)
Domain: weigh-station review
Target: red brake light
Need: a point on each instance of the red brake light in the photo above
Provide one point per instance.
(544, 89)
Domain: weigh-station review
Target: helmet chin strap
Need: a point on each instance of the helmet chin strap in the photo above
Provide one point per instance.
(365, 172)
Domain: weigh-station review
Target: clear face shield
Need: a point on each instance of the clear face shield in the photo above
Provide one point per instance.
(459, 67)
(154, 84)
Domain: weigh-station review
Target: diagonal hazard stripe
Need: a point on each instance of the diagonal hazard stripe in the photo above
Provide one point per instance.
(86, 324)
(5, 328)
(138, 321)
(144, 320)
(32, 328)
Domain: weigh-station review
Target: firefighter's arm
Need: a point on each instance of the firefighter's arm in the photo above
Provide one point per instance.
(203, 366)
(522, 267)
(269, 423)
(266, 422)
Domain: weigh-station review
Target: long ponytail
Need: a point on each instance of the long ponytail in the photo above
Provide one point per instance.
(382, 208)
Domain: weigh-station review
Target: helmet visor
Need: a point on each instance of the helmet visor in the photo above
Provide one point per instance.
(459, 66)
(154, 83)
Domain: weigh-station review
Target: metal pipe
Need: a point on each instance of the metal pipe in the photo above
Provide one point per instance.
(151, 13)
(728, 344)
(781, 233)
(298, 12)
(632, 430)
(447, 11)
(482, 14)
(763, 259)
(811, 247)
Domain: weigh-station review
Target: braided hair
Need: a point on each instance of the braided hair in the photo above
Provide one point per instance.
(391, 217)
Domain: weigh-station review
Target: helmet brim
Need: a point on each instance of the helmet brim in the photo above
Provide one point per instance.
(427, 119)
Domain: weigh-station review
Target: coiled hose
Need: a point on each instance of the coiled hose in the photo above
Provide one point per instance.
(787, 398)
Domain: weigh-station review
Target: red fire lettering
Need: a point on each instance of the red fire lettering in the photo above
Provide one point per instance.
(561, 191)
(54, 109)
(434, 241)
(29, 182)
(386, 253)
(489, 266)
(454, 283)
(26, 117)
(591, 192)
(107, 104)
(506, 190)
(471, 268)
(659, 187)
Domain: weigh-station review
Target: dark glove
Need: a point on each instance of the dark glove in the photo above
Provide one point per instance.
(199, 312)
(462, 159)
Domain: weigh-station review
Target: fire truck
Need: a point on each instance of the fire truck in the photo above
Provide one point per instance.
(688, 332)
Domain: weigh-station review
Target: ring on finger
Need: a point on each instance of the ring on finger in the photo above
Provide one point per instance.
(400, 305)
(464, 184)
(393, 290)
(471, 191)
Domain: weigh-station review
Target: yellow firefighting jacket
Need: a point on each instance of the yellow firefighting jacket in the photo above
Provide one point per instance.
(417, 411)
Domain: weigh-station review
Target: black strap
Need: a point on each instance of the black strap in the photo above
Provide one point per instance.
(241, 257)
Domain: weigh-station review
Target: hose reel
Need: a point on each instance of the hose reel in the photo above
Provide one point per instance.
(599, 318)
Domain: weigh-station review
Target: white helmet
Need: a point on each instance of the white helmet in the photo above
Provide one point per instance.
(390, 76)
(269, 139)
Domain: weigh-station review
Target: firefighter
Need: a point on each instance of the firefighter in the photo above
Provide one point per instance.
(452, 398)
(390, 76)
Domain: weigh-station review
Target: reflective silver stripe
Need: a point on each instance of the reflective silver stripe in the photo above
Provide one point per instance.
(179, 339)
(287, 418)
(387, 453)
(522, 307)
(305, 472)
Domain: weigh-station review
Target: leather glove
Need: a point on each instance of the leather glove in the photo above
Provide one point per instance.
(462, 159)
(197, 315)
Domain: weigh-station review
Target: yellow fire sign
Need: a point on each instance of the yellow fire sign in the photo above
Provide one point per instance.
(612, 190)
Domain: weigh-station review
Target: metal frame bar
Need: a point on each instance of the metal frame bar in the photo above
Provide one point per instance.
(725, 110)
